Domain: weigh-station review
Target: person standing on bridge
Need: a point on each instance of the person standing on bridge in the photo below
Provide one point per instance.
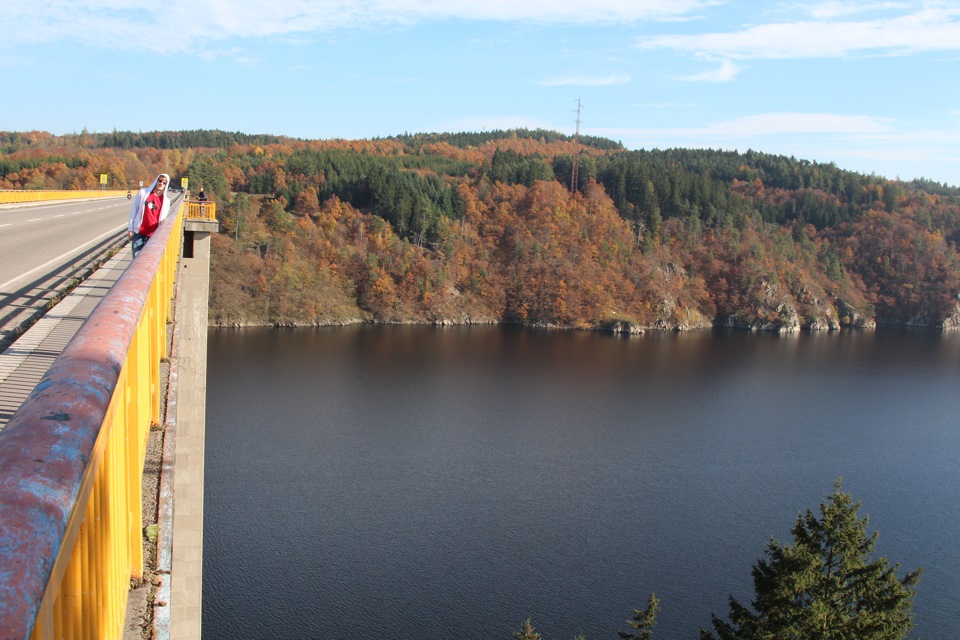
(150, 207)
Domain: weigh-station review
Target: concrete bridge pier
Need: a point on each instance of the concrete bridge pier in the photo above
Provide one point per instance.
(180, 536)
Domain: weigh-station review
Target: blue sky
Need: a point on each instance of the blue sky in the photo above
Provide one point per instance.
(871, 86)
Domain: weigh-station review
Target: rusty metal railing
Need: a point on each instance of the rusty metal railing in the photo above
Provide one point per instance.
(42, 195)
(71, 462)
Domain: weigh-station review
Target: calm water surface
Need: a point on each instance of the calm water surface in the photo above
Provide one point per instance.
(421, 483)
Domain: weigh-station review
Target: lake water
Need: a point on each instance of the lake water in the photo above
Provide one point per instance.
(426, 483)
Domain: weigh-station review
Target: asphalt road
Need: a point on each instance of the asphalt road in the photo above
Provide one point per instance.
(42, 238)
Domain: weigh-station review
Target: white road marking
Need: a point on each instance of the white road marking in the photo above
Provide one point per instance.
(6, 285)
(34, 220)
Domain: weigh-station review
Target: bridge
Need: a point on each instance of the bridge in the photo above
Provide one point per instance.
(72, 455)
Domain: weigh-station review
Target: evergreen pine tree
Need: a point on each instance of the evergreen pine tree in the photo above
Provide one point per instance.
(825, 586)
(527, 632)
(643, 621)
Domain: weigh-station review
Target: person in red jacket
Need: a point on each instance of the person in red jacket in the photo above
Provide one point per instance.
(150, 208)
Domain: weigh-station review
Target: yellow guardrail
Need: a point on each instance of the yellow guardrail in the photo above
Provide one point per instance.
(71, 462)
(9, 196)
(201, 210)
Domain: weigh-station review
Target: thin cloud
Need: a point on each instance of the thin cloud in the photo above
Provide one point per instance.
(765, 124)
(12, 61)
(214, 54)
(724, 73)
(779, 123)
(585, 81)
(114, 23)
(935, 28)
(667, 105)
(399, 80)
(249, 61)
(544, 11)
(493, 123)
(838, 9)
(855, 142)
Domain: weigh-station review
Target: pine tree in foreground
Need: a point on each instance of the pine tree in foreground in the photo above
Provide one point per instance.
(643, 621)
(527, 632)
(825, 586)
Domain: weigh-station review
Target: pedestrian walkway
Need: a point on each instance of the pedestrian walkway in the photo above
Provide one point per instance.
(24, 363)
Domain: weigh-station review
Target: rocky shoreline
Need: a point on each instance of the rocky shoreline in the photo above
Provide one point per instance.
(778, 312)
(792, 324)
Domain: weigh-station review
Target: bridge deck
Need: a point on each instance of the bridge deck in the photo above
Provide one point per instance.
(24, 362)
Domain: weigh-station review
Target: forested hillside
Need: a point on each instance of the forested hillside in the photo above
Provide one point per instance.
(488, 227)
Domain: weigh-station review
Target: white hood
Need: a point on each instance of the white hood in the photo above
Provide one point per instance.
(136, 210)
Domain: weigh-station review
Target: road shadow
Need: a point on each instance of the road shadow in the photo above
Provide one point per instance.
(21, 308)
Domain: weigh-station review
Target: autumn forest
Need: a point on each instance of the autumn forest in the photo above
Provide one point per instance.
(535, 228)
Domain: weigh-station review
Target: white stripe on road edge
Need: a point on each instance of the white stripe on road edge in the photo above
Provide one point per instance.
(6, 285)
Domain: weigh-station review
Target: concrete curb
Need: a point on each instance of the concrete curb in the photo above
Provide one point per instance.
(161, 598)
